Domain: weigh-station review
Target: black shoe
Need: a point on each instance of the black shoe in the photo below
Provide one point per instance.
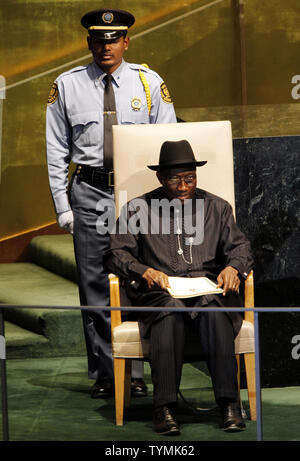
(164, 422)
(138, 388)
(232, 420)
(102, 389)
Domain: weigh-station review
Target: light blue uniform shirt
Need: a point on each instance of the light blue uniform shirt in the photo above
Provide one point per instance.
(74, 129)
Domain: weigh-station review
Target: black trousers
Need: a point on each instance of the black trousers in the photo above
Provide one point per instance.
(167, 335)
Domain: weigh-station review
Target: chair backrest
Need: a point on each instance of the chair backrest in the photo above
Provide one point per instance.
(136, 146)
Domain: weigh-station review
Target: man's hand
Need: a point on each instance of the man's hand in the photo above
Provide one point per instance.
(65, 220)
(228, 280)
(154, 277)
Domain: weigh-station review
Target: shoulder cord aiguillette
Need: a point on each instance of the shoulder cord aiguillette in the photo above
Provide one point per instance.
(146, 87)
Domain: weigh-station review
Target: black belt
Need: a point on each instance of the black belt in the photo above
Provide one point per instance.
(95, 176)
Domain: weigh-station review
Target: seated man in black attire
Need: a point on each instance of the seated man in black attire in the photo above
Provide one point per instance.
(145, 256)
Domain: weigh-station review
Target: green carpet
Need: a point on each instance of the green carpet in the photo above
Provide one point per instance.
(31, 285)
(48, 400)
(55, 253)
(17, 336)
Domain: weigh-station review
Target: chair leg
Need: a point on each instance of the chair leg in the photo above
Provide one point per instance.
(127, 383)
(250, 375)
(238, 372)
(119, 371)
(238, 361)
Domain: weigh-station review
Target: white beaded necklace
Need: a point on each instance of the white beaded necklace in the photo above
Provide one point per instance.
(180, 250)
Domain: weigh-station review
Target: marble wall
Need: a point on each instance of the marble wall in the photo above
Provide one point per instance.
(267, 183)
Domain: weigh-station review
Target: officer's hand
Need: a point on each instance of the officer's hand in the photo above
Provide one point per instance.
(65, 220)
(228, 280)
(154, 277)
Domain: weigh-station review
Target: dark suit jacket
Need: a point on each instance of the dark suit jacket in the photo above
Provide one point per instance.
(134, 248)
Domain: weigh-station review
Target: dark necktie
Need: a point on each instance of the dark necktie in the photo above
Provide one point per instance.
(109, 119)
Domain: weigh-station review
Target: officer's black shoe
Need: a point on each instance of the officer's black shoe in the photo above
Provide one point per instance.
(138, 387)
(102, 389)
(164, 422)
(232, 420)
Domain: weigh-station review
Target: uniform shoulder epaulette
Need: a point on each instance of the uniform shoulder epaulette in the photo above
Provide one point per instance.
(143, 67)
(72, 71)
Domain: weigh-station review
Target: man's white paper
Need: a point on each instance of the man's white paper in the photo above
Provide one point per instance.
(187, 287)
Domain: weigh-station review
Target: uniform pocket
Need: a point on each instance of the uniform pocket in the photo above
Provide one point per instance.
(130, 117)
(86, 129)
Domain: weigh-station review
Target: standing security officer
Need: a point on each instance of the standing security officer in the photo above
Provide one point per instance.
(83, 104)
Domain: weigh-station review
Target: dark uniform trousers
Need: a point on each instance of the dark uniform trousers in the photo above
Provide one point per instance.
(167, 335)
(90, 243)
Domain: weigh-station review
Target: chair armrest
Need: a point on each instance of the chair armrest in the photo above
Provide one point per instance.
(114, 290)
(249, 297)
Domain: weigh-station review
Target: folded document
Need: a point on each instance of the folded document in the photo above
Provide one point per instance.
(187, 287)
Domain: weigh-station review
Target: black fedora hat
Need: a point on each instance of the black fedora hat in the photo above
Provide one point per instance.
(107, 24)
(176, 154)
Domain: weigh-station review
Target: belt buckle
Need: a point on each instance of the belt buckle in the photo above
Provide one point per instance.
(110, 178)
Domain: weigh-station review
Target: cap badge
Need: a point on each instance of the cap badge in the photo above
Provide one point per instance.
(136, 103)
(107, 17)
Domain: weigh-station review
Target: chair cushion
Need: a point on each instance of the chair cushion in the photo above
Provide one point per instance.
(244, 342)
(127, 342)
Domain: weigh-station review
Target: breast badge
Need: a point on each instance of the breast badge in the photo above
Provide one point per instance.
(136, 103)
(165, 95)
(53, 94)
